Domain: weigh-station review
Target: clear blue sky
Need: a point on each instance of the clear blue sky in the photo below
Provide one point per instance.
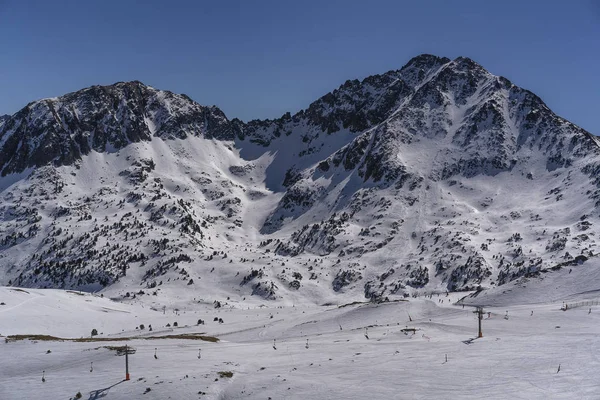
(259, 59)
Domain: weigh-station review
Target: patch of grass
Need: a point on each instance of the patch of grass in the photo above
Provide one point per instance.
(19, 290)
(225, 374)
(48, 338)
(354, 303)
(95, 339)
(187, 336)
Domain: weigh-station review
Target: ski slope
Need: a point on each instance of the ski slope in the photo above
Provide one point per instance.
(350, 351)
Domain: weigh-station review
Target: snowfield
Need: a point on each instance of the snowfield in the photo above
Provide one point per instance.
(337, 253)
(363, 350)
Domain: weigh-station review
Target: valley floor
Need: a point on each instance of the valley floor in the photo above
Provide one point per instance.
(352, 352)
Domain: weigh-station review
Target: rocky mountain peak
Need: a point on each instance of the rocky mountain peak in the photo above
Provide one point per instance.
(420, 67)
(102, 118)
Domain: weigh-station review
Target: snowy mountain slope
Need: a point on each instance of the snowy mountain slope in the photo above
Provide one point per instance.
(61, 313)
(438, 176)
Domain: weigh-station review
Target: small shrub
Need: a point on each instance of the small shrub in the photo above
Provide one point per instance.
(142, 326)
(225, 374)
(78, 395)
(175, 323)
(94, 332)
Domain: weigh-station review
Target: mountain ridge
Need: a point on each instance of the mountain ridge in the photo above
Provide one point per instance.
(398, 183)
(421, 64)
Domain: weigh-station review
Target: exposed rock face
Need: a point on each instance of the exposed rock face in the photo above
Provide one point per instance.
(437, 176)
(102, 118)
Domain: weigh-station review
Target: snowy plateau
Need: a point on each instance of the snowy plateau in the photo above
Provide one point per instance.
(336, 253)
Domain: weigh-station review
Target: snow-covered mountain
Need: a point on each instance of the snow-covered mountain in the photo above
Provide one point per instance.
(438, 176)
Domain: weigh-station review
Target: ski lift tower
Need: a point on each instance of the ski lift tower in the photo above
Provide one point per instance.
(126, 351)
(479, 312)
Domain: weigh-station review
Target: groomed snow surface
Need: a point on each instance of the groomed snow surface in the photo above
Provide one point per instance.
(353, 351)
